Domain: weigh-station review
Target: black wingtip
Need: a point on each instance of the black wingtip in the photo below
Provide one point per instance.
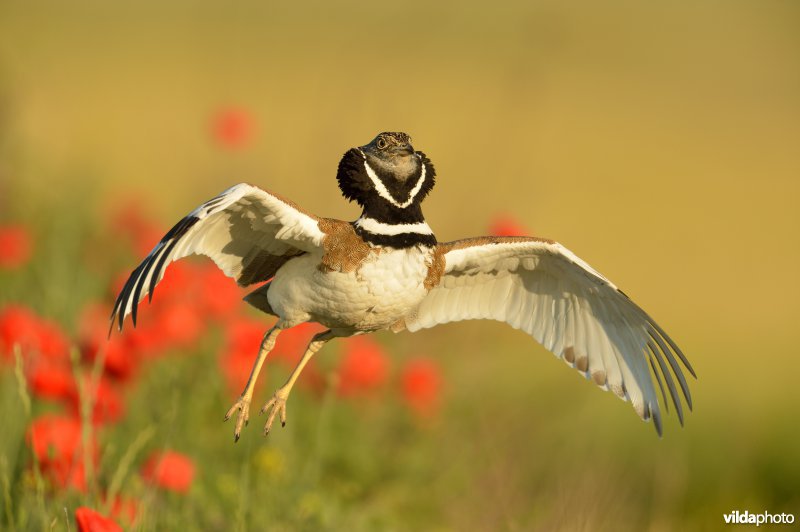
(674, 347)
(137, 287)
(657, 424)
(673, 392)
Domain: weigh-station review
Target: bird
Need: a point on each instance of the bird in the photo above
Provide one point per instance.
(387, 271)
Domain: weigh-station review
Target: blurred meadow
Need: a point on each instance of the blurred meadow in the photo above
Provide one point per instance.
(658, 141)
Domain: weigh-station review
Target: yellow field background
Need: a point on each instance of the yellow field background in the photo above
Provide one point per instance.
(658, 141)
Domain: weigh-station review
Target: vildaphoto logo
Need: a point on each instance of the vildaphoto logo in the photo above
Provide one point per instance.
(765, 518)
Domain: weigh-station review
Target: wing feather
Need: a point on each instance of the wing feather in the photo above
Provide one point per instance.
(542, 288)
(248, 232)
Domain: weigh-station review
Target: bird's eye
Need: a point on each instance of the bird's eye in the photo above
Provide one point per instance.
(382, 144)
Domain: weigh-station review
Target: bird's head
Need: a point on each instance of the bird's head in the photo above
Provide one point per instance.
(387, 173)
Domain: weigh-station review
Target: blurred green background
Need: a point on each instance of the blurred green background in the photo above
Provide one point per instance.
(659, 141)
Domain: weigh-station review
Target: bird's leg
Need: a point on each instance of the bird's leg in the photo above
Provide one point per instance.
(243, 403)
(278, 402)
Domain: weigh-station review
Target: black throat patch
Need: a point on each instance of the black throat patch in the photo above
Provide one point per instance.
(387, 198)
(356, 185)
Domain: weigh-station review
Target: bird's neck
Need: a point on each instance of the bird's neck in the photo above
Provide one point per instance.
(386, 225)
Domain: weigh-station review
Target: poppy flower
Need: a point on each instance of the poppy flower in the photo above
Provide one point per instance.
(179, 283)
(174, 319)
(242, 342)
(51, 381)
(89, 520)
(15, 246)
(421, 384)
(56, 442)
(219, 295)
(506, 225)
(18, 325)
(56, 382)
(121, 359)
(232, 127)
(35, 336)
(169, 470)
(364, 367)
(53, 343)
(179, 323)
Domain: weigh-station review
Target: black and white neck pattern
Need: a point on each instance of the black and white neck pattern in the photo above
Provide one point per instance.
(390, 195)
(396, 235)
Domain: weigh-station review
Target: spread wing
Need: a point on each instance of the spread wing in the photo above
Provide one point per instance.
(541, 287)
(248, 232)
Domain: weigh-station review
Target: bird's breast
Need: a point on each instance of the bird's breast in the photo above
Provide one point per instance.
(387, 285)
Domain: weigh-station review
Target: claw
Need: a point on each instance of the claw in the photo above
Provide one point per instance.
(276, 406)
(243, 406)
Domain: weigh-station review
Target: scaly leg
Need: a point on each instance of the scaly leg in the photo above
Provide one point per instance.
(243, 404)
(278, 402)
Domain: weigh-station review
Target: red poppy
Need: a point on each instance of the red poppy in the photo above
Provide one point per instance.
(56, 442)
(364, 367)
(53, 343)
(243, 339)
(179, 283)
(57, 382)
(18, 325)
(35, 336)
(51, 381)
(180, 323)
(175, 317)
(232, 127)
(15, 246)
(145, 339)
(169, 470)
(245, 334)
(506, 225)
(219, 295)
(89, 520)
(121, 359)
(421, 384)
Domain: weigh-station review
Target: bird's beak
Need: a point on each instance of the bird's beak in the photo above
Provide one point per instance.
(403, 149)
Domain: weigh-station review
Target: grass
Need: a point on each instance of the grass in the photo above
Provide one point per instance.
(659, 143)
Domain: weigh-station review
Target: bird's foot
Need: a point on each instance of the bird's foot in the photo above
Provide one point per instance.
(275, 406)
(243, 406)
